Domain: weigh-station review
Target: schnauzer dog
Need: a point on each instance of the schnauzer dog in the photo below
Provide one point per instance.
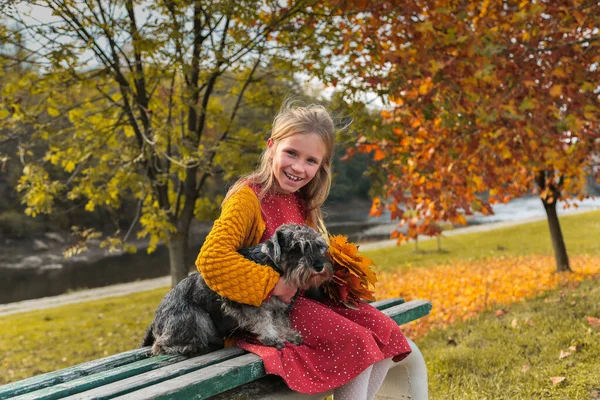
(193, 319)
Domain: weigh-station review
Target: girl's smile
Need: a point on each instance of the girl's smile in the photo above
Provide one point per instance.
(296, 160)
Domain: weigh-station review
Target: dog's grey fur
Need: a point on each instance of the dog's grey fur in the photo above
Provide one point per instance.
(193, 319)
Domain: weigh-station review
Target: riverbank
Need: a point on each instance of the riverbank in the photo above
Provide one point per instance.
(32, 269)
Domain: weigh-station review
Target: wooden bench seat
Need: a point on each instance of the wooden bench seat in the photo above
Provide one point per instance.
(136, 375)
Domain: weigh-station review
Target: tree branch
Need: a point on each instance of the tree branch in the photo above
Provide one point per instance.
(135, 220)
(230, 122)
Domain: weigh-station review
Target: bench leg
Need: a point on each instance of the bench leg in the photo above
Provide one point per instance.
(406, 379)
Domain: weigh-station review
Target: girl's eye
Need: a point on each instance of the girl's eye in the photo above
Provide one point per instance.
(312, 161)
(291, 153)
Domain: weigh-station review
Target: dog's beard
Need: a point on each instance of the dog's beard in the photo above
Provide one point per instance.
(304, 277)
(317, 280)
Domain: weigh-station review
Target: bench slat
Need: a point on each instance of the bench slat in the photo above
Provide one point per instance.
(101, 378)
(158, 375)
(407, 312)
(74, 372)
(205, 382)
(386, 303)
(240, 370)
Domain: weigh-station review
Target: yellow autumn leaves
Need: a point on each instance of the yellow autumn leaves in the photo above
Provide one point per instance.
(462, 290)
(353, 278)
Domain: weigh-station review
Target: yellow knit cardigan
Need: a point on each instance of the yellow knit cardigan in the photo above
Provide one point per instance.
(222, 267)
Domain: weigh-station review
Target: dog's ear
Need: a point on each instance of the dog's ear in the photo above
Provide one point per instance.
(272, 248)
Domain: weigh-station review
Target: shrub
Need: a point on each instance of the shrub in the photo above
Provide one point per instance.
(16, 225)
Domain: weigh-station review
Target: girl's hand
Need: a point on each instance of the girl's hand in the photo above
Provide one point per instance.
(284, 291)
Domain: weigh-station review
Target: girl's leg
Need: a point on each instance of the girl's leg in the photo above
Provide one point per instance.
(356, 389)
(407, 379)
(380, 370)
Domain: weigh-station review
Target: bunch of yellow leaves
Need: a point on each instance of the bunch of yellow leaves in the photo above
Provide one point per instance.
(353, 280)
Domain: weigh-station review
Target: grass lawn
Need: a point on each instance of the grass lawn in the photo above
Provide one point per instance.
(45, 340)
(483, 358)
(581, 233)
(516, 355)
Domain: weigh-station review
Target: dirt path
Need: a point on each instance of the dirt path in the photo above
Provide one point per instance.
(84, 295)
(140, 286)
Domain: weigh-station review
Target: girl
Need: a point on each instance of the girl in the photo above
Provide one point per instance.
(342, 348)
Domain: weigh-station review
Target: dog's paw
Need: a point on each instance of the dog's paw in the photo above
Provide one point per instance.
(295, 338)
(273, 342)
(278, 344)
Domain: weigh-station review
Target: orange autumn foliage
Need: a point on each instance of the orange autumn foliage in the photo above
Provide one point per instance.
(488, 101)
(353, 278)
(460, 291)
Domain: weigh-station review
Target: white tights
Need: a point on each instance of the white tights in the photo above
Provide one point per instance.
(365, 385)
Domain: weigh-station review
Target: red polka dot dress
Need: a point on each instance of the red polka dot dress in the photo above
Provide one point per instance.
(338, 342)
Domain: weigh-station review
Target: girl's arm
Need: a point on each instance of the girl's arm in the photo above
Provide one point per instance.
(225, 270)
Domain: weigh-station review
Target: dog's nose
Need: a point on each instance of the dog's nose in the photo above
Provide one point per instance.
(319, 267)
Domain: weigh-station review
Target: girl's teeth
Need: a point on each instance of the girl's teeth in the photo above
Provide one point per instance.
(292, 177)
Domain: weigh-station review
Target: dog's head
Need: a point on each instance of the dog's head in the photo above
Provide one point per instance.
(300, 252)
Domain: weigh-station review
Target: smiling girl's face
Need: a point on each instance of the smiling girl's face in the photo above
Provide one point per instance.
(296, 160)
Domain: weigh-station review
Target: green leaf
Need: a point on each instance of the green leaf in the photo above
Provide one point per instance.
(492, 49)
(588, 87)
(527, 104)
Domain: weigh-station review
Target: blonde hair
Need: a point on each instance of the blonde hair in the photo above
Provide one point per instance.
(298, 120)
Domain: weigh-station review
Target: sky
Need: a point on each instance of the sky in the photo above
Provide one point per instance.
(310, 84)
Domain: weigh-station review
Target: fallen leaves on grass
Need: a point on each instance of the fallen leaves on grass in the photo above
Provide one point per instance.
(465, 288)
(563, 354)
(557, 379)
(594, 322)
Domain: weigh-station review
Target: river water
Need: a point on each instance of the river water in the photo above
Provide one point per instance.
(362, 228)
(531, 207)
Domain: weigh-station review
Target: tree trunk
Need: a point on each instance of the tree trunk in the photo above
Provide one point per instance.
(558, 243)
(178, 265)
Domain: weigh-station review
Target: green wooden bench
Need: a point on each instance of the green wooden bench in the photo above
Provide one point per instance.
(226, 374)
